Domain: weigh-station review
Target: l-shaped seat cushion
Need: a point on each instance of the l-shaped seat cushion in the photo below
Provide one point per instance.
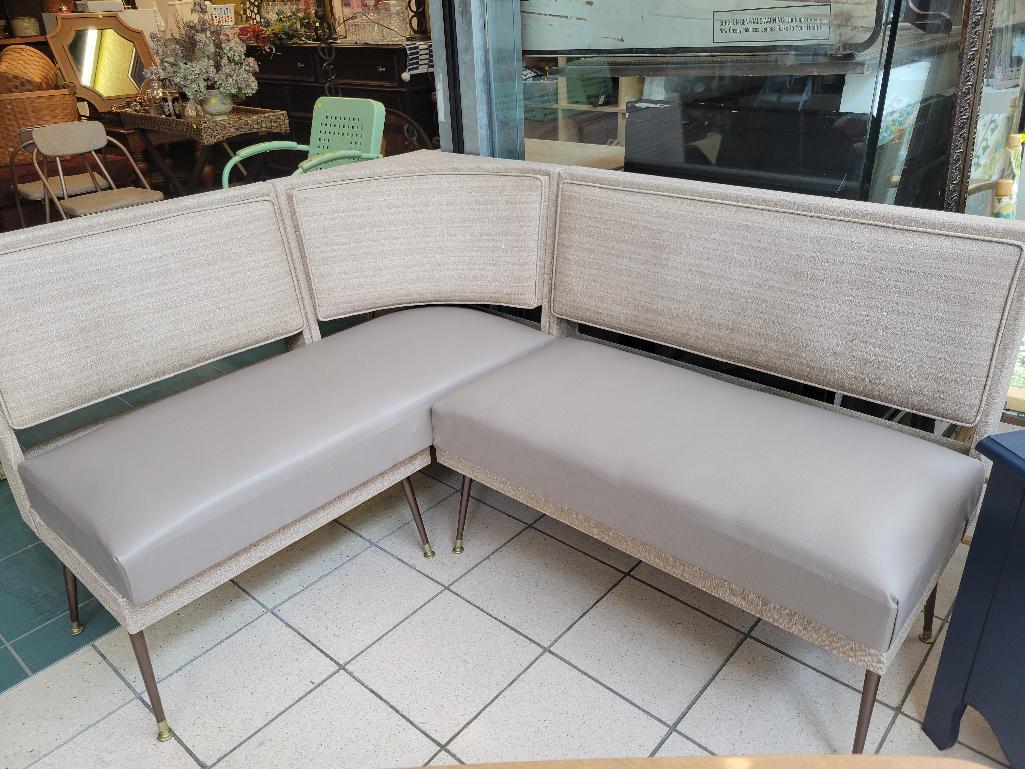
(163, 493)
(843, 521)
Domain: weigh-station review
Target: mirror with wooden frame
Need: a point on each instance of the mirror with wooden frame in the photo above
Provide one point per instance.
(104, 57)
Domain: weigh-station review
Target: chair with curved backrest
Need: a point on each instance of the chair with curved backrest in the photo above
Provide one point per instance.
(72, 184)
(344, 131)
(85, 138)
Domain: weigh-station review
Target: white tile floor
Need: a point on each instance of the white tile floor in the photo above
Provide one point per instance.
(351, 650)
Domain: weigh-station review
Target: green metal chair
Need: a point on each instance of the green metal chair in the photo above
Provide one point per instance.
(344, 131)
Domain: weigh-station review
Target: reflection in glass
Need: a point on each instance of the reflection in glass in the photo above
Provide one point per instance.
(106, 62)
(849, 98)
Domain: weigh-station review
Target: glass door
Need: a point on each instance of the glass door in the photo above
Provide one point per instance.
(846, 98)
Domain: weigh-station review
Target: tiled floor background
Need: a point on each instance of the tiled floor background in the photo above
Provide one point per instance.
(351, 649)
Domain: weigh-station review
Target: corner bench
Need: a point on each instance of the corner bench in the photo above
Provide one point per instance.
(826, 522)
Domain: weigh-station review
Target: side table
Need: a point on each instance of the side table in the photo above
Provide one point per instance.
(205, 132)
(983, 660)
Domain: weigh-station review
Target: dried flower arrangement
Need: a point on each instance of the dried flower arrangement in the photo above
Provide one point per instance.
(201, 56)
(287, 25)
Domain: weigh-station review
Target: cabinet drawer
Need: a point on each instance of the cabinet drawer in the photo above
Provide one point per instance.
(294, 64)
(370, 66)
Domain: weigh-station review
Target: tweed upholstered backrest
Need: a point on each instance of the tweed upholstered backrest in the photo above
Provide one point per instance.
(424, 228)
(913, 309)
(101, 305)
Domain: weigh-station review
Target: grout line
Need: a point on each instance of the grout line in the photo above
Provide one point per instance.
(17, 658)
(272, 613)
(886, 731)
(693, 741)
(274, 718)
(676, 724)
(303, 589)
(355, 656)
(423, 512)
(544, 650)
(139, 698)
(210, 648)
(124, 679)
(823, 673)
(604, 685)
(23, 549)
(695, 608)
(65, 613)
(89, 726)
(391, 707)
(579, 550)
(899, 709)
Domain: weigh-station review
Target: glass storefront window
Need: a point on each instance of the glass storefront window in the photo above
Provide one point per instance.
(847, 98)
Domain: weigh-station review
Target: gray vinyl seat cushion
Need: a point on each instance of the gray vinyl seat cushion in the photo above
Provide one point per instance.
(161, 494)
(110, 200)
(840, 520)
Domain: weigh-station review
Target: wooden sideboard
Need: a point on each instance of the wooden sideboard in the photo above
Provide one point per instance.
(292, 79)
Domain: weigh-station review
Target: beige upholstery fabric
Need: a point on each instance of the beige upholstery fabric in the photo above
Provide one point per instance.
(900, 307)
(108, 303)
(70, 138)
(378, 235)
(163, 493)
(838, 520)
(109, 200)
(76, 184)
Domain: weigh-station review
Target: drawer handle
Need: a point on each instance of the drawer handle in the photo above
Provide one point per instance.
(381, 68)
(299, 65)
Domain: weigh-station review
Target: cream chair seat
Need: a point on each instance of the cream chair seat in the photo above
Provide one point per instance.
(76, 184)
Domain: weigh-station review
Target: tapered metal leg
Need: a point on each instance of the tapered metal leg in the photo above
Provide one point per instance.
(138, 640)
(868, 699)
(926, 635)
(71, 586)
(414, 508)
(464, 502)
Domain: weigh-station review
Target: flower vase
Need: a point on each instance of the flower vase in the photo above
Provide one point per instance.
(216, 104)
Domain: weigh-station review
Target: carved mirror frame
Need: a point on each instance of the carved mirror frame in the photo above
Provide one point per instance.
(60, 42)
(975, 40)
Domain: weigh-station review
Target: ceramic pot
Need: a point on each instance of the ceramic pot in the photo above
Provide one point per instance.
(216, 105)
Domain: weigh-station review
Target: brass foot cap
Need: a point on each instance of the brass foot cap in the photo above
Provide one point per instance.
(926, 637)
(428, 551)
(76, 628)
(457, 548)
(164, 732)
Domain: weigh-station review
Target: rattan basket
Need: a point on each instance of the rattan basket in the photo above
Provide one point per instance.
(24, 69)
(18, 110)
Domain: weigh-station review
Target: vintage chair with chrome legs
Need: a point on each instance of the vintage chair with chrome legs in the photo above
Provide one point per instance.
(35, 191)
(79, 194)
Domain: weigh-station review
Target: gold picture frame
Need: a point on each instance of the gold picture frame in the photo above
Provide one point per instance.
(83, 43)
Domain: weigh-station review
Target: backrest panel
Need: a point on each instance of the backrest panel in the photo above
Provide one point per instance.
(341, 123)
(101, 305)
(905, 308)
(427, 228)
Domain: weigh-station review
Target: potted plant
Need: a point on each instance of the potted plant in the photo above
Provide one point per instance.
(205, 61)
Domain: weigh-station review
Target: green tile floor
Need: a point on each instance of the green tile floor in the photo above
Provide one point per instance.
(33, 609)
